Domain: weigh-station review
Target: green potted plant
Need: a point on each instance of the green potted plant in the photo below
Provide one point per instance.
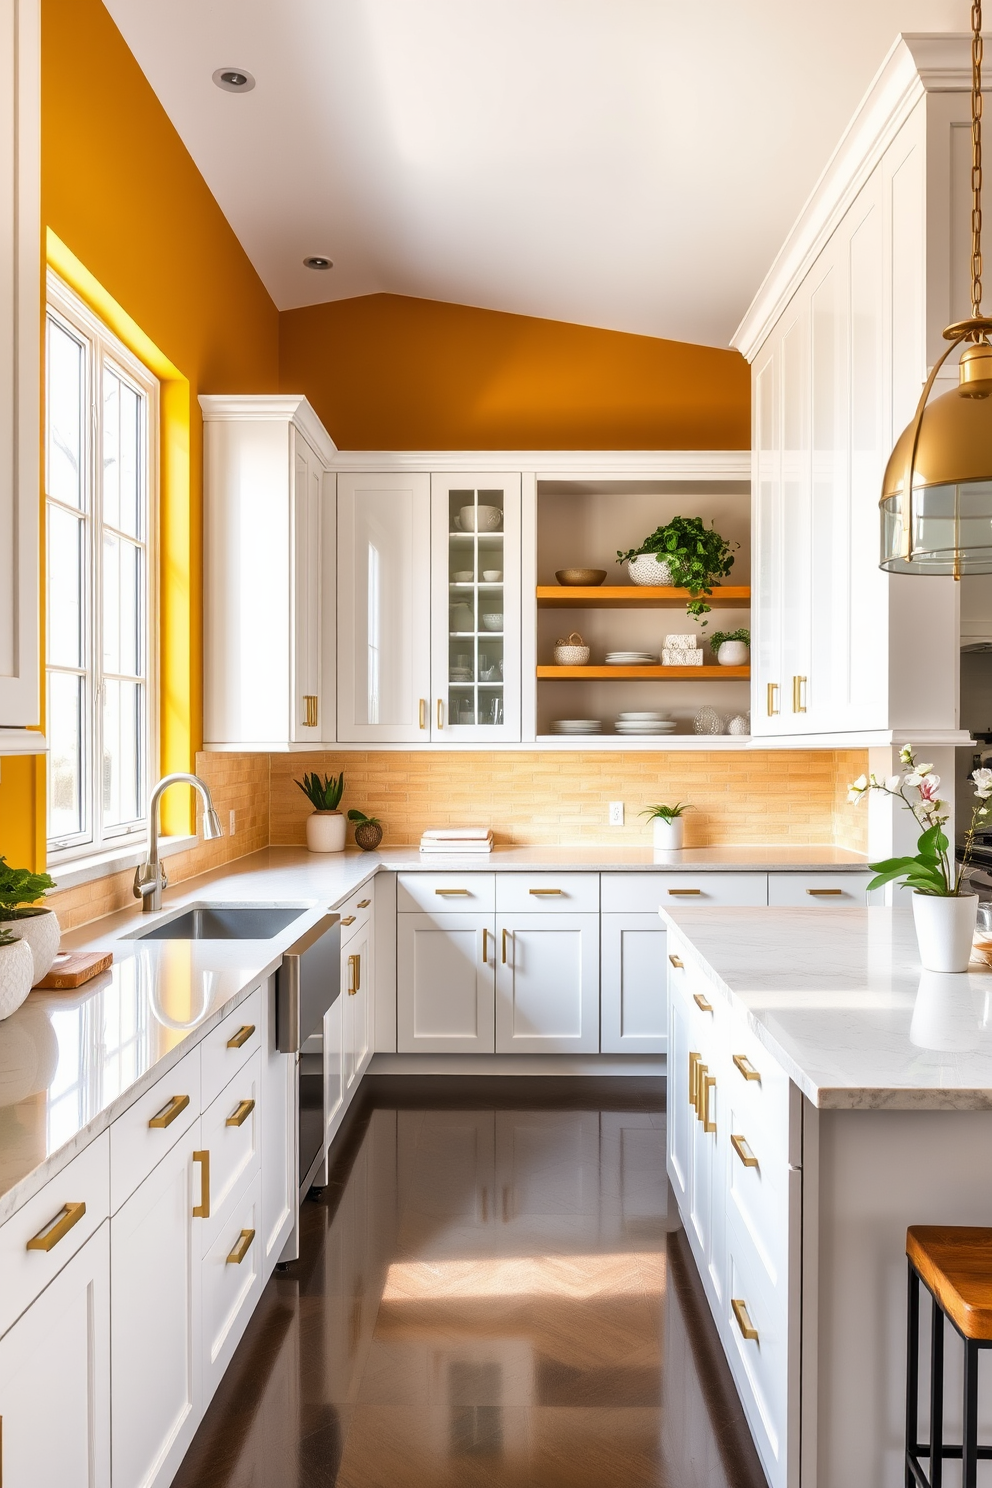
(684, 554)
(16, 972)
(326, 828)
(368, 830)
(668, 825)
(732, 647)
(29, 921)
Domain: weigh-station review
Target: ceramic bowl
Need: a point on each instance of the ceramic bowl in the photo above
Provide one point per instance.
(465, 576)
(492, 622)
(480, 518)
(586, 578)
(492, 575)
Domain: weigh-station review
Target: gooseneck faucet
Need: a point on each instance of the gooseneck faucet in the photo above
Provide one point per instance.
(149, 877)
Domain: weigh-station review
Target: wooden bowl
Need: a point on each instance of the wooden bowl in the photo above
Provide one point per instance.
(574, 578)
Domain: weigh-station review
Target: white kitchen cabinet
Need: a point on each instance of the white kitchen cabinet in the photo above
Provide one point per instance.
(55, 1379)
(356, 992)
(446, 983)
(266, 495)
(547, 983)
(231, 1281)
(278, 1125)
(633, 998)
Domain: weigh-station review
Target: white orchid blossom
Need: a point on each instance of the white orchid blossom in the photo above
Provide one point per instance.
(983, 783)
(857, 789)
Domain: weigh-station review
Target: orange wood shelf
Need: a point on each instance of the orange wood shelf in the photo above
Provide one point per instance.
(636, 597)
(644, 673)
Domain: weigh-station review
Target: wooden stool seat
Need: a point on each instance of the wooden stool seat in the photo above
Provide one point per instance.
(955, 1264)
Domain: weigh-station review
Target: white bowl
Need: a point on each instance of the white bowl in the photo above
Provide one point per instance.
(465, 576)
(492, 622)
(480, 518)
(492, 575)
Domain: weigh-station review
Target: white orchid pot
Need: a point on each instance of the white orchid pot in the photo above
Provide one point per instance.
(733, 653)
(945, 929)
(326, 832)
(16, 976)
(668, 835)
(39, 929)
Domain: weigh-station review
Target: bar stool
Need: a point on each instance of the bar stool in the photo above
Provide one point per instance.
(955, 1265)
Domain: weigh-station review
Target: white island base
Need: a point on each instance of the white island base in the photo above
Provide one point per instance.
(824, 1094)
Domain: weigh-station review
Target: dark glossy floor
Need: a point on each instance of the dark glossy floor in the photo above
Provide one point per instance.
(492, 1293)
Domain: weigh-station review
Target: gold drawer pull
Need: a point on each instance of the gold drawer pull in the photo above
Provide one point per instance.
(772, 699)
(743, 1321)
(701, 1002)
(242, 1036)
(49, 1237)
(364, 903)
(354, 974)
(202, 1209)
(423, 713)
(682, 893)
(505, 934)
(694, 1060)
(440, 714)
(708, 1084)
(242, 1248)
(454, 893)
(485, 945)
(546, 893)
(825, 893)
(309, 710)
(169, 1112)
(746, 1068)
(677, 963)
(241, 1115)
(348, 920)
(743, 1151)
(798, 683)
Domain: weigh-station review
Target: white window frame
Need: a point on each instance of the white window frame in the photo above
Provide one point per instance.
(103, 347)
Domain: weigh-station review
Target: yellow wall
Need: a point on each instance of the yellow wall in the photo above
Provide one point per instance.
(388, 372)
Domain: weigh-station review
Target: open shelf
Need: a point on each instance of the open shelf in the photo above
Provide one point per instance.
(636, 597)
(644, 673)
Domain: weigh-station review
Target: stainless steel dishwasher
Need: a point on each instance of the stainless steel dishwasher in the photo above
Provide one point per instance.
(307, 984)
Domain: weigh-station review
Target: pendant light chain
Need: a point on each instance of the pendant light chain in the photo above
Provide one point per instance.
(977, 50)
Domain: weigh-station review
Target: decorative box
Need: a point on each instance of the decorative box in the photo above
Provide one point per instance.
(681, 658)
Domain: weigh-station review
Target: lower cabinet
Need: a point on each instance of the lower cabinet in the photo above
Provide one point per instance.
(231, 1282)
(278, 1137)
(346, 1043)
(547, 983)
(633, 1012)
(446, 983)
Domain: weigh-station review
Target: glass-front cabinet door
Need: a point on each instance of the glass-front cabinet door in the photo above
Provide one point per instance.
(475, 605)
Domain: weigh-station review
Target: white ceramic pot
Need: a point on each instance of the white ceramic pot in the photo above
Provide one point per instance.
(480, 518)
(734, 653)
(647, 569)
(16, 975)
(326, 831)
(668, 835)
(40, 929)
(945, 928)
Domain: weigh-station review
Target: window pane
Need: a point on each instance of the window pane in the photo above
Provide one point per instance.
(122, 606)
(122, 413)
(123, 706)
(65, 583)
(64, 462)
(66, 816)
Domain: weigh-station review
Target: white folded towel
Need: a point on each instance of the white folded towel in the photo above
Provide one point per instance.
(457, 849)
(456, 834)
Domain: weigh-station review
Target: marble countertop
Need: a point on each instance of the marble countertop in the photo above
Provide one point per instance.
(839, 998)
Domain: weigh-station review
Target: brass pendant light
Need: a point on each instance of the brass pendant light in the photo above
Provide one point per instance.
(937, 491)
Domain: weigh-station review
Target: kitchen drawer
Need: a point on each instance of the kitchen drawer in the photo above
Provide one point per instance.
(828, 890)
(760, 1365)
(761, 1092)
(724, 889)
(547, 893)
(135, 1147)
(230, 1133)
(355, 912)
(446, 893)
(25, 1273)
(231, 1045)
(231, 1286)
(685, 982)
(758, 1176)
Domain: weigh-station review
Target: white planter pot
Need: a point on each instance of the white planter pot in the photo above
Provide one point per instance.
(16, 975)
(734, 653)
(326, 832)
(648, 570)
(40, 930)
(668, 834)
(945, 928)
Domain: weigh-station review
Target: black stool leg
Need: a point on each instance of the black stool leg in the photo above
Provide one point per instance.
(969, 1464)
(912, 1373)
(937, 1397)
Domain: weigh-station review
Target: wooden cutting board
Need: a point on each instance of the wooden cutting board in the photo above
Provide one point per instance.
(73, 968)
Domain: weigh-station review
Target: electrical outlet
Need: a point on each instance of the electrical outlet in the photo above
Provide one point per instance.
(232, 826)
(616, 813)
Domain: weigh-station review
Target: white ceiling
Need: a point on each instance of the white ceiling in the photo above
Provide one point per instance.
(633, 164)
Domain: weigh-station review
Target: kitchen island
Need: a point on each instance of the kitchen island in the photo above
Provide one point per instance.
(824, 1094)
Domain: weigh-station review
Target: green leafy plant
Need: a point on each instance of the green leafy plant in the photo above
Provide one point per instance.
(719, 636)
(324, 792)
(359, 817)
(697, 556)
(21, 887)
(667, 813)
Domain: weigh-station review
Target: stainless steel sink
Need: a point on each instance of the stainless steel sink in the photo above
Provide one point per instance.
(223, 922)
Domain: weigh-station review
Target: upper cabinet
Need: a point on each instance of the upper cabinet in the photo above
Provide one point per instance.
(269, 533)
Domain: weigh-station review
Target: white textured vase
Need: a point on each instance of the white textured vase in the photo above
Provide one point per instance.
(668, 834)
(734, 653)
(40, 930)
(326, 832)
(16, 974)
(647, 569)
(945, 928)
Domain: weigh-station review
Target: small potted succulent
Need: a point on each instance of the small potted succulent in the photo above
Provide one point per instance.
(29, 921)
(685, 554)
(326, 828)
(16, 972)
(668, 825)
(731, 647)
(368, 830)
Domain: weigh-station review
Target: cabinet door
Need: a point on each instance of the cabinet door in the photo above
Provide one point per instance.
(55, 1379)
(356, 989)
(305, 722)
(794, 581)
(547, 984)
(680, 1112)
(445, 983)
(279, 1130)
(634, 1001)
(384, 665)
(766, 616)
(475, 606)
(231, 1281)
(333, 1053)
(155, 1321)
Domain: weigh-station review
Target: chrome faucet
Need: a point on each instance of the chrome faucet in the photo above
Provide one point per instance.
(149, 877)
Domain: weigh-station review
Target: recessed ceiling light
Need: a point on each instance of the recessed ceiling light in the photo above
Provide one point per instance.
(234, 80)
(317, 261)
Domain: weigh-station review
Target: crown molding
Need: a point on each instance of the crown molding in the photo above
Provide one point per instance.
(22, 741)
(276, 408)
(686, 465)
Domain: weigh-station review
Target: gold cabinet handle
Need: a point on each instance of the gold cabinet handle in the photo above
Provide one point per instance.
(242, 1248)
(708, 1083)
(348, 920)
(354, 974)
(202, 1209)
(49, 1237)
(169, 1112)
(701, 1002)
(772, 699)
(240, 1116)
(364, 903)
(743, 1321)
(310, 710)
(546, 893)
(743, 1151)
(677, 962)
(505, 933)
(825, 893)
(694, 1061)
(440, 713)
(485, 945)
(453, 893)
(423, 713)
(242, 1036)
(746, 1068)
(682, 893)
(798, 683)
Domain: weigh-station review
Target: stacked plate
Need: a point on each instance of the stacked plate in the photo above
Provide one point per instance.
(645, 723)
(577, 726)
(631, 658)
